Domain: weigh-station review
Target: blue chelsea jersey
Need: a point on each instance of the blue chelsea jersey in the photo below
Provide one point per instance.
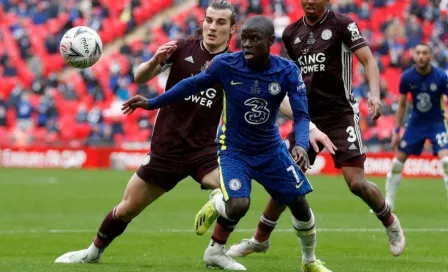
(251, 101)
(427, 92)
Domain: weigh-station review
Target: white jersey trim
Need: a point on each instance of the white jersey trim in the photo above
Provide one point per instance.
(347, 74)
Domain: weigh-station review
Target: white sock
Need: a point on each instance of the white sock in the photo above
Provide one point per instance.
(220, 205)
(393, 181)
(214, 246)
(306, 231)
(445, 172)
(93, 251)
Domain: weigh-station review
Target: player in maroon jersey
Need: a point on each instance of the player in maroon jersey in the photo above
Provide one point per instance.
(323, 43)
(183, 141)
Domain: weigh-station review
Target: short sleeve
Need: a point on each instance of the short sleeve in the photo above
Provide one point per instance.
(351, 35)
(285, 38)
(445, 83)
(180, 44)
(404, 87)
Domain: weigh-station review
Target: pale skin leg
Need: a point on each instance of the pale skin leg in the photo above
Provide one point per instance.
(137, 196)
(211, 179)
(443, 153)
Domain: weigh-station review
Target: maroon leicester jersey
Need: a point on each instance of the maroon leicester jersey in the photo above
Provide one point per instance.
(324, 53)
(191, 124)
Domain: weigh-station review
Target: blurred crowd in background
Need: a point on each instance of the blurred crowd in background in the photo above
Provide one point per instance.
(43, 102)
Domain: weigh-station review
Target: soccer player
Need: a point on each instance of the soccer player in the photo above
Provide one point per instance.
(427, 85)
(183, 141)
(323, 43)
(250, 146)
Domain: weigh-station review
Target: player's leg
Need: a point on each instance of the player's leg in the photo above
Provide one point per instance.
(393, 179)
(204, 169)
(138, 195)
(439, 141)
(443, 155)
(411, 143)
(231, 206)
(287, 184)
(259, 243)
(305, 229)
(350, 156)
(151, 180)
(369, 192)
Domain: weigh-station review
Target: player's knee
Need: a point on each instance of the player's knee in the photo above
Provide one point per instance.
(356, 186)
(397, 166)
(127, 210)
(236, 208)
(445, 165)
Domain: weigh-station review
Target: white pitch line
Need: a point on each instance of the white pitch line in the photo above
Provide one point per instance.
(342, 230)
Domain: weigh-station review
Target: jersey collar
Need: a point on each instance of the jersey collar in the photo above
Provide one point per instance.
(318, 23)
(205, 49)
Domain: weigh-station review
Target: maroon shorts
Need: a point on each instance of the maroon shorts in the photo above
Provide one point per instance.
(345, 133)
(165, 172)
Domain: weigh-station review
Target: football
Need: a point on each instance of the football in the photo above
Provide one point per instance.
(81, 47)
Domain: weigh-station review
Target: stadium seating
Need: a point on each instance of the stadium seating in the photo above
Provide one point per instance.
(100, 89)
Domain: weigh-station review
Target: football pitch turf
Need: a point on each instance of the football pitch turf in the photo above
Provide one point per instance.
(45, 213)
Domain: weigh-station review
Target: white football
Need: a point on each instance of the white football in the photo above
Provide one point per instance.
(81, 47)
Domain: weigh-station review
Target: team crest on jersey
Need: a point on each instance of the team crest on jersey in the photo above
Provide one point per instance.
(235, 184)
(274, 88)
(146, 160)
(326, 34)
(403, 144)
(433, 87)
(353, 28)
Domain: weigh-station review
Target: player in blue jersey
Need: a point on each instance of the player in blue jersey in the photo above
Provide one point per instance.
(250, 146)
(427, 85)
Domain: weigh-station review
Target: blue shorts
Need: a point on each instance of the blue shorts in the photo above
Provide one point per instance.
(414, 138)
(276, 172)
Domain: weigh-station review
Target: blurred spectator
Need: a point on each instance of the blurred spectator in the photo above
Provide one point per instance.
(117, 127)
(8, 69)
(255, 7)
(38, 85)
(24, 112)
(3, 110)
(52, 45)
(414, 32)
(81, 115)
(95, 116)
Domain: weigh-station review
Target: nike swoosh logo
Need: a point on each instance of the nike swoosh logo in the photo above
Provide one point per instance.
(299, 184)
(233, 83)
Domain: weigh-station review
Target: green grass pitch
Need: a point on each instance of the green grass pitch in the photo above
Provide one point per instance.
(45, 213)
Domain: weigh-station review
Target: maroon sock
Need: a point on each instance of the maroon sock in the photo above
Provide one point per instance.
(109, 230)
(385, 215)
(222, 230)
(264, 229)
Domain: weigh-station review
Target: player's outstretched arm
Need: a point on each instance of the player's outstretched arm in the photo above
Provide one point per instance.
(299, 104)
(398, 120)
(148, 70)
(186, 87)
(366, 58)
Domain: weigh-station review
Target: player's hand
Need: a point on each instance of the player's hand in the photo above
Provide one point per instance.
(134, 103)
(374, 104)
(165, 51)
(300, 156)
(395, 140)
(317, 136)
